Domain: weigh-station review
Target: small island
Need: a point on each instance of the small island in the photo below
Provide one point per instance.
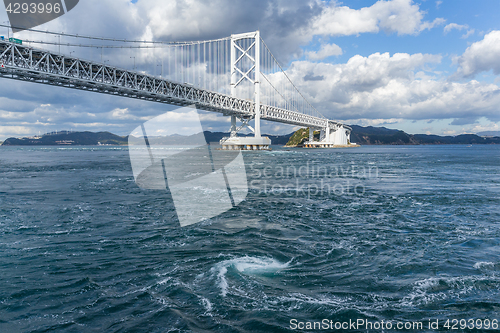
(301, 139)
(300, 136)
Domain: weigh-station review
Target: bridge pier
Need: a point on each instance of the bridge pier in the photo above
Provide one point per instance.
(332, 136)
(246, 143)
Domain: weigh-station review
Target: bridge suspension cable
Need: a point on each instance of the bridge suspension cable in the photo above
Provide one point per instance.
(280, 91)
(204, 64)
(94, 45)
(103, 38)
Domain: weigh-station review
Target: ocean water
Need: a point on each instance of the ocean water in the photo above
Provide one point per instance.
(382, 233)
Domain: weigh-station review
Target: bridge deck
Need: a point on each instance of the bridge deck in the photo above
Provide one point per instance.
(35, 65)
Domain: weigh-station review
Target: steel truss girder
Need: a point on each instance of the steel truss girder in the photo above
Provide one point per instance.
(39, 66)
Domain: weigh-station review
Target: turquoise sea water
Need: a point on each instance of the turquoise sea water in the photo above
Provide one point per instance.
(393, 233)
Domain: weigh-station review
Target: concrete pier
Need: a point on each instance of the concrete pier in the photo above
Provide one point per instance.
(246, 143)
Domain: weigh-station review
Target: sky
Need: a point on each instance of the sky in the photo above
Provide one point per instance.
(423, 67)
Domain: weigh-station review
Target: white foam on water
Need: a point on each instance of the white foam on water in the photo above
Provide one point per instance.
(442, 288)
(484, 264)
(221, 281)
(206, 304)
(245, 265)
(298, 299)
(162, 301)
(164, 281)
(343, 244)
(252, 265)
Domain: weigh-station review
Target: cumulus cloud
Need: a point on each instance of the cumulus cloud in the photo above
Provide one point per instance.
(124, 114)
(451, 26)
(381, 86)
(396, 16)
(326, 50)
(7, 131)
(459, 27)
(490, 127)
(469, 33)
(48, 108)
(283, 24)
(359, 73)
(287, 25)
(481, 56)
(374, 122)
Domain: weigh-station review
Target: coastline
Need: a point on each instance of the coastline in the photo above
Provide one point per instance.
(362, 136)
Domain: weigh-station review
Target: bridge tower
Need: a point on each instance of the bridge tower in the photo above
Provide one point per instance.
(244, 53)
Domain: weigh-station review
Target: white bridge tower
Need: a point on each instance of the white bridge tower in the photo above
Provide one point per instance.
(241, 53)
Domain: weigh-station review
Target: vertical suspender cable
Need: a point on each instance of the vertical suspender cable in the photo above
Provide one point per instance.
(205, 65)
(209, 64)
(193, 63)
(217, 68)
(198, 64)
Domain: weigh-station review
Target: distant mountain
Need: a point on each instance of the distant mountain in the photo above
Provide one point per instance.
(385, 136)
(459, 139)
(360, 135)
(379, 136)
(69, 138)
(211, 137)
(106, 138)
(489, 133)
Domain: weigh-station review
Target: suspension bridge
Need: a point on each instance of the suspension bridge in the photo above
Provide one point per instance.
(237, 76)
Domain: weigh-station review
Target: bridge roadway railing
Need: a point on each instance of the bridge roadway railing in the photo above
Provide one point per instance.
(40, 66)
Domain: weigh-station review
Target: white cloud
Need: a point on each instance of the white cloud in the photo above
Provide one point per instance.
(374, 122)
(396, 16)
(124, 114)
(286, 25)
(283, 24)
(451, 26)
(481, 56)
(381, 86)
(9, 131)
(327, 50)
(450, 132)
(488, 127)
(64, 109)
(469, 33)
(459, 27)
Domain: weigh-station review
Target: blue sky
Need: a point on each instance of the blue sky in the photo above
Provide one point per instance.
(424, 67)
(480, 16)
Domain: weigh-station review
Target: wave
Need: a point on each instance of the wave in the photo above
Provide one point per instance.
(436, 289)
(484, 265)
(248, 266)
